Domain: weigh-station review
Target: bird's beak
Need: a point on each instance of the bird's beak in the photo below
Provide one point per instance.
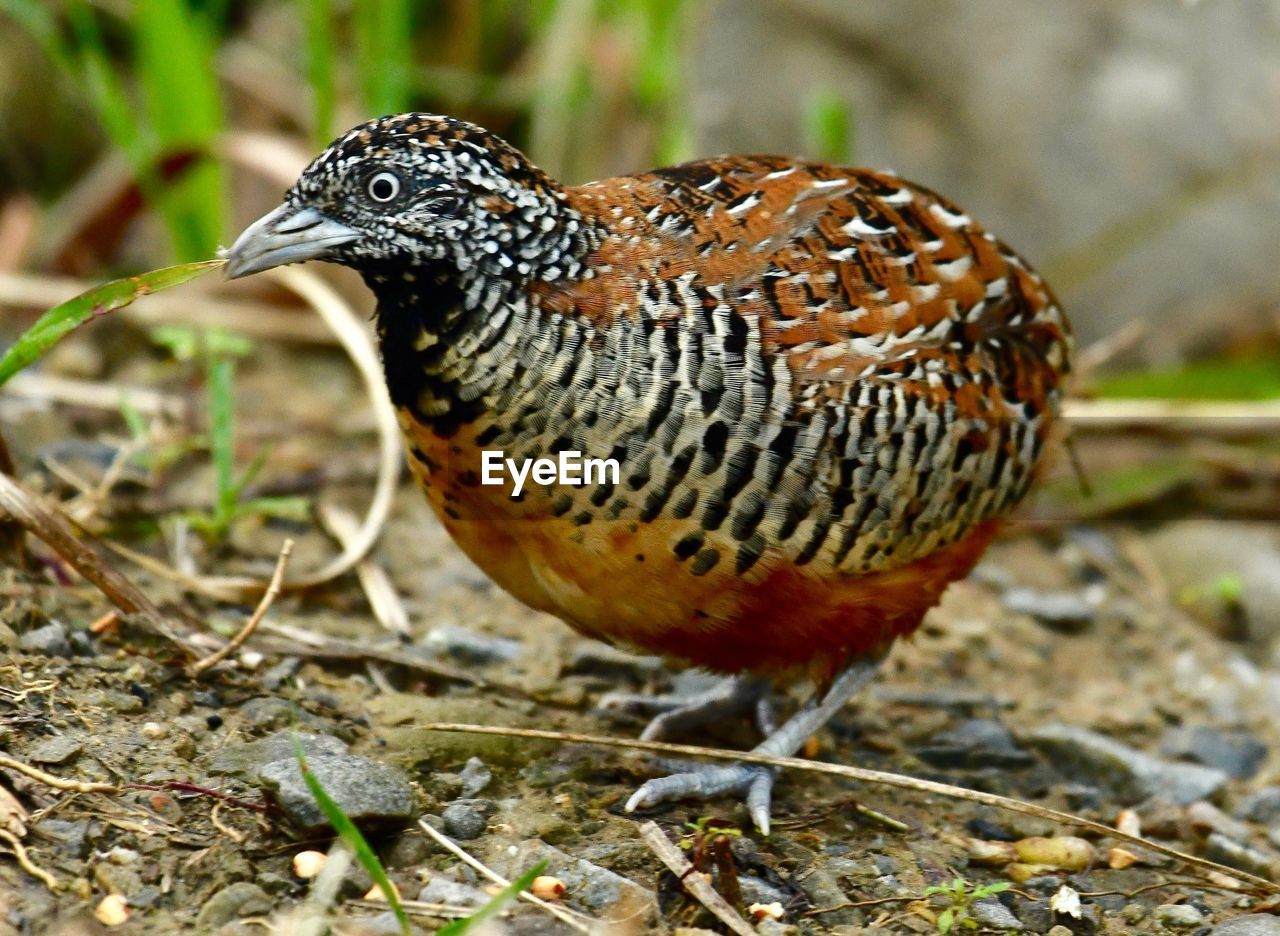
(286, 235)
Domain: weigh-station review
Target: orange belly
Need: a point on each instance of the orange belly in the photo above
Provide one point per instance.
(620, 581)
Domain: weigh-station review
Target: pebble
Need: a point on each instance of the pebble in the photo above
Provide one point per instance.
(974, 742)
(1034, 914)
(245, 760)
(594, 888)
(1220, 848)
(71, 837)
(468, 646)
(1068, 612)
(56, 750)
(448, 891)
(1179, 916)
(758, 890)
(1253, 924)
(475, 777)
(237, 900)
(367, 791)
(50, 640)
(1131, 774)
(464, 821)
(1236, 753)
(991, 913)
(1260, 806)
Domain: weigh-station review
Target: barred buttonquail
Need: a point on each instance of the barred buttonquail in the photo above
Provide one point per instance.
(824, 387)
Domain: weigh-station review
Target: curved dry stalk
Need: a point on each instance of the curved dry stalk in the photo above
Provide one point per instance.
(865, 775)
(268, 597)
(27, 865)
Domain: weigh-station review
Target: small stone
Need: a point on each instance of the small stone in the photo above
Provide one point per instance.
(1059, 930)
(594, 888)
(1066, 612)
(468, 646)
(445, 890)
(1237, 753)
(475, 777)
(1131, 774)
(115, 879)
(1179, 916)
(1253, 924)
(154, 730)
(56, 750)
(71, 838)
(50, 640)
(367, 791)
(1260, 806)
(975, 742)
(246, 760)
(464, 821)
(237, 900)
(990, 912)
(758, 890)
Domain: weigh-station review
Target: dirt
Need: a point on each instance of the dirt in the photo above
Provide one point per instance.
(195, 850)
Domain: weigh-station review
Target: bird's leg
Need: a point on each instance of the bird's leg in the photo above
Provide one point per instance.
(728, 698)
(755, 781)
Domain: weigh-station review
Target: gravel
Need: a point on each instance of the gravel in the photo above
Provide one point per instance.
(50, 640)
(1178, 916)
(1253, 924)
(1236, 753)
(1129, 773)
(367, 791)
(237, 900)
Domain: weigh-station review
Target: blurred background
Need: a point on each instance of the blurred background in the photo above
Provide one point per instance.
(1130, 150)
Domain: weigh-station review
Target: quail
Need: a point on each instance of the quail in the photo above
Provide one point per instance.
(825, 388)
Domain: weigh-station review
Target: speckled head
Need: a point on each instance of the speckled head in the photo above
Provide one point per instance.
(413, 190)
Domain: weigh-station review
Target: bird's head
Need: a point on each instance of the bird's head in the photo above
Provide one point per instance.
(415, 190)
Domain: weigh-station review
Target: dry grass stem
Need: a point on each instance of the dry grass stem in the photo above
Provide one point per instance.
(1184, 416)
(48, 524)
(94, 394)
(251, 625)
(694, 881)
(384, 600)
(578, 921)
(55, 782)
(27, 865)
(866, 776)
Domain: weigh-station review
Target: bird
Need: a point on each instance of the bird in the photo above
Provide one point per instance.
(825, 389)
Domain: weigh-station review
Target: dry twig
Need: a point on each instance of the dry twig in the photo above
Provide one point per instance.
(383, 599)
(865, 775)
(27, 865)
(57, 783)
(578, 921)
(694, 881)
(251, 625)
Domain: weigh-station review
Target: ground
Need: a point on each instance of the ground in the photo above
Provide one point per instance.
(1063, 630)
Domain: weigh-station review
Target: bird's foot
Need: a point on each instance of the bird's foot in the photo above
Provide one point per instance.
(676, 714)
(752, 782)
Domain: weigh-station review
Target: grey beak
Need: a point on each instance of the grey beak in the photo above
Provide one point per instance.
(286, 235)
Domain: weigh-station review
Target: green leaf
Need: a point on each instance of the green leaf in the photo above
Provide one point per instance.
(945, 919)
(62, 319)
(347, 830)
(222, 439)
(500, 900)
(829, 127)
(318, 18)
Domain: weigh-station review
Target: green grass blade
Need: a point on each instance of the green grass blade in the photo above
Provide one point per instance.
(829, 127)
(495, 905)
(347, 830)
(222, 437)
(59, 321)
(384, 54)
(317, 16)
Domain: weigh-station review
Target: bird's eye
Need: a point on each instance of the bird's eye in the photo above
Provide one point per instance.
(384, 186)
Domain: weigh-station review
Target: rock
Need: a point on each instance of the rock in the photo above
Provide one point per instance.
(237, 900)
(1205, 818)
(72, 837)
(475, 777)
(1035, 915)
(823, 890)
(975, 742)
(1236, 753)
(367, 791)
(1253, 924)
(1226, 573)
(1178, 916)
(116, 879)
(1260, 806)
(1129, 773)
(1068, 612)
(464, 821)
(50, 640)
(1220, 848)
(757, 890)
(992, 914)
(593, 887)
(468, 646)
(56, 750)
(246, 760)
(448, 891)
